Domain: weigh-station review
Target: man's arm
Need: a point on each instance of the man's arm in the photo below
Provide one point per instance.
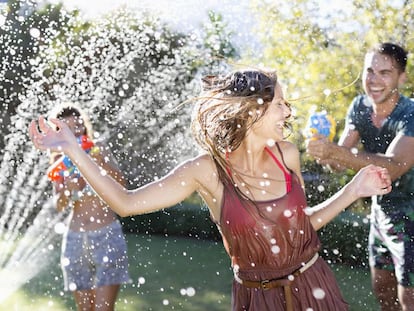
(398, 158)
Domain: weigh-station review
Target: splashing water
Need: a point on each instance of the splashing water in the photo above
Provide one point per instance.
(27, 219)
(25, 255)
(128, 72)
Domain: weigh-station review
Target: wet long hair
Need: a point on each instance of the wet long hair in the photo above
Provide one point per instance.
(227, 109)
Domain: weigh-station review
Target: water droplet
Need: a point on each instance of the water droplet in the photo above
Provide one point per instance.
(72, 286)
(275, 249)
(35, 33)
(308, 211)
(141, 280)
(318, 293)
(60, 228)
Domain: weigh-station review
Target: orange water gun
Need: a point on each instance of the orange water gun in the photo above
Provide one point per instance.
(64, 167)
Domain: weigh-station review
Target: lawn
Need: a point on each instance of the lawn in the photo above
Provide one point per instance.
(170, 273)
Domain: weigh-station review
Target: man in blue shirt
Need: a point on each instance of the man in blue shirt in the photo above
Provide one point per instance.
(382, 122)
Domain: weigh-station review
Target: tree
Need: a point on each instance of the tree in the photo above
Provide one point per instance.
(129, 72)
(22, 31)
(319, 57)
(217, 39)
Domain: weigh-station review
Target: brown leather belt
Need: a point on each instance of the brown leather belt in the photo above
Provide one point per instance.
(284, 282)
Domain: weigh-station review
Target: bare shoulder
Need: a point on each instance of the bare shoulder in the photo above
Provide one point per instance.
(203, 166)
(209, 186)
(203, 160)
(289, 149)
(291, 155)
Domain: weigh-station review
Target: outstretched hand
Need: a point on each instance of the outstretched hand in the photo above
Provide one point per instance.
(44, 137)
(372, 180)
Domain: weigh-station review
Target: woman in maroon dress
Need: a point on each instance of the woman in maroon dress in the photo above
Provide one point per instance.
(250, 178)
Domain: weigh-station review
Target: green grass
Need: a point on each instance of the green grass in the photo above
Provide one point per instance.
(169, 267)
(356, 287)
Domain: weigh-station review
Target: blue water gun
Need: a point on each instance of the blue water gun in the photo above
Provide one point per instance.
(320, 123)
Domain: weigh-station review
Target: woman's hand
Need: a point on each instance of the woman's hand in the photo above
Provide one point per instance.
(371, 180)
(44, 137)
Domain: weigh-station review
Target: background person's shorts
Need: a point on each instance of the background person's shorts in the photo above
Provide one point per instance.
(392, 249)
(95, 258)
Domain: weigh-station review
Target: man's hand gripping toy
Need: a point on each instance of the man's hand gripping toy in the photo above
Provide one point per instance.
(64, 167)
(320, 123)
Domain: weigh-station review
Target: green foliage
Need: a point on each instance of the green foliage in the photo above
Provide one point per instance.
(128, 71)
(22, 31)
(217, 38)
(344, 240)
(319, 57)
(190, 219)
(320, 183)
(301, 51)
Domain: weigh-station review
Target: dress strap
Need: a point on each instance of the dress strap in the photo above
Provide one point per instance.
(288, 175)
(227, 166)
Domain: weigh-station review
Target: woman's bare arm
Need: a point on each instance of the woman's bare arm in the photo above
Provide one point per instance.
(370, 180)
(163, 193)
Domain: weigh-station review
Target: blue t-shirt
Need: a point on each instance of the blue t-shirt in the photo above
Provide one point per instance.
(377, 140)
